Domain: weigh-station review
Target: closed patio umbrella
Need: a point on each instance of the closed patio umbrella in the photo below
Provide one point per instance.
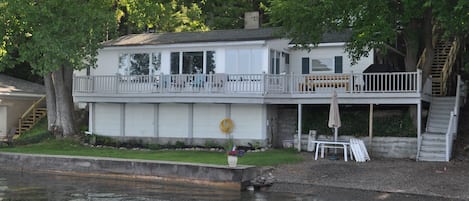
(334, 116)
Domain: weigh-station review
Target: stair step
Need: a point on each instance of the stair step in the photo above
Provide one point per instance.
(438, 122)
(433, 158)
(436, 129)
(433, 150)
(432, 155)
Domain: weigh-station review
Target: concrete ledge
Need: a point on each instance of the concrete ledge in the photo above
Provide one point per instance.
(211, 175)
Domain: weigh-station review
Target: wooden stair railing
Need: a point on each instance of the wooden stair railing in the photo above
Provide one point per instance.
(448, 66)
(442, 50)
(31, 117)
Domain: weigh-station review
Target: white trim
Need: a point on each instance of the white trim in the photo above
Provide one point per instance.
(187, 45)
(190, 127)
(91, 117)
(122, 119)
(320, 45)
(22, 94)
(156, 117)
(299, 126)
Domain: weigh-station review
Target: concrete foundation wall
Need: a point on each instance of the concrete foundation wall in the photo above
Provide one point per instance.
(393, 147)
(212, 175)
(381, 147)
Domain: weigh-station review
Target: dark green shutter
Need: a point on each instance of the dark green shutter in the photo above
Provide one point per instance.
(305, 65)
(338, 64)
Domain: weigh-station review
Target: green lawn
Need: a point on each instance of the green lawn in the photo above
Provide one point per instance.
(72, 148)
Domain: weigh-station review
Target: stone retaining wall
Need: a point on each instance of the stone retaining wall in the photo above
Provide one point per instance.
(212, 175)
(382, 147)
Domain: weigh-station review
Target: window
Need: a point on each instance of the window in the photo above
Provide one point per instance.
(174, 62)
(322, 64)
(139, 64)
(287, 58)
(210, 61)
(193, 62)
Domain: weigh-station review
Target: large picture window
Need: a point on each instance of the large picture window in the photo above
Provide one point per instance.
(140, 63)
(196, 62)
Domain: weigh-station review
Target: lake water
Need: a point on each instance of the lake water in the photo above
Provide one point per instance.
(17, 185)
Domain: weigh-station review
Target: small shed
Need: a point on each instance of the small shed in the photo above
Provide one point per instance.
(16, 97)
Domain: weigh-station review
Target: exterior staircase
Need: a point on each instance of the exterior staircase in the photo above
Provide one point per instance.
(433, 144)
(31, 117)
(30, 120)
(442, 51)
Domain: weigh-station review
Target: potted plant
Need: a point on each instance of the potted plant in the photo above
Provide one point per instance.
(233, 155)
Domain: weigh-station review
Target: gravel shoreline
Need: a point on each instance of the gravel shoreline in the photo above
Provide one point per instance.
(437, 179)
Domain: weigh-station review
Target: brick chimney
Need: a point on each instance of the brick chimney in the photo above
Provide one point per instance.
(251, 20)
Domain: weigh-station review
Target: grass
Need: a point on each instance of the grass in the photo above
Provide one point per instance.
(37, 134)
(39, 141)
(73, 148)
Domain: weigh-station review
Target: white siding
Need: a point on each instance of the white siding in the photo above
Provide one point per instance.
(325, 52)
(3, 121)
(139, 120)
(107, 119)
(206, 120)
(248, 121)
(174, 120)
(108, 63)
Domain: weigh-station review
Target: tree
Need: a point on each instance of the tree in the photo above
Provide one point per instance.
(160, 16)
(374, 23)
(55, 37)
(229, 14)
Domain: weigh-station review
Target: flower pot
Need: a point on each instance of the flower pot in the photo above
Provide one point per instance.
(232, 161)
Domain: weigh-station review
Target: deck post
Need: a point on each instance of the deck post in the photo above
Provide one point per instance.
(419, 126)
(419, 80)
(370, 125)
(299, 127)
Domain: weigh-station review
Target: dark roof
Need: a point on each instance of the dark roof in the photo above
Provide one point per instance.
(13, 85)
(334, 37)
(214, 36)
(193, 37)
(379, 68)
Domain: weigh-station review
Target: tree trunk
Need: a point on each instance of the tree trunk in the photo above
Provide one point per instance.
(50, 102)
(66, 126)
(428, 44)
(411, 39)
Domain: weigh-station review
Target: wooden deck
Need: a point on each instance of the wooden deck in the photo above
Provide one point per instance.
(378, 88)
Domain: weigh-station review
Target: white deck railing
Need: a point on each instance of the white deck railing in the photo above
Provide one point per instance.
(398, 82)
(451, 132)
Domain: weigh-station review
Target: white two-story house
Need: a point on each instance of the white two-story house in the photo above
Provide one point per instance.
(172, 87)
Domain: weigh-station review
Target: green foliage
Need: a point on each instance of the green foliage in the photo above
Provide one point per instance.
(179, 144)
(37, 134)
(211, 144)
(229, 143)
(387, 121)
(74, 148)
(54, 33)
(373, 23)
(162, 16)
(229, 14)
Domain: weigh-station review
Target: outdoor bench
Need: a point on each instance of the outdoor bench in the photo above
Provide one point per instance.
(319, 82)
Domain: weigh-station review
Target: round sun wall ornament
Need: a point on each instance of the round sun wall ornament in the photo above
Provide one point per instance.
(226, 126)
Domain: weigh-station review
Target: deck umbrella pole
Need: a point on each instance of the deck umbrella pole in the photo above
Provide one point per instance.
(299, 127)
(370, 126)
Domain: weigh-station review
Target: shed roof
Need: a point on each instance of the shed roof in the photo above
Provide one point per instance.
(12, 85)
